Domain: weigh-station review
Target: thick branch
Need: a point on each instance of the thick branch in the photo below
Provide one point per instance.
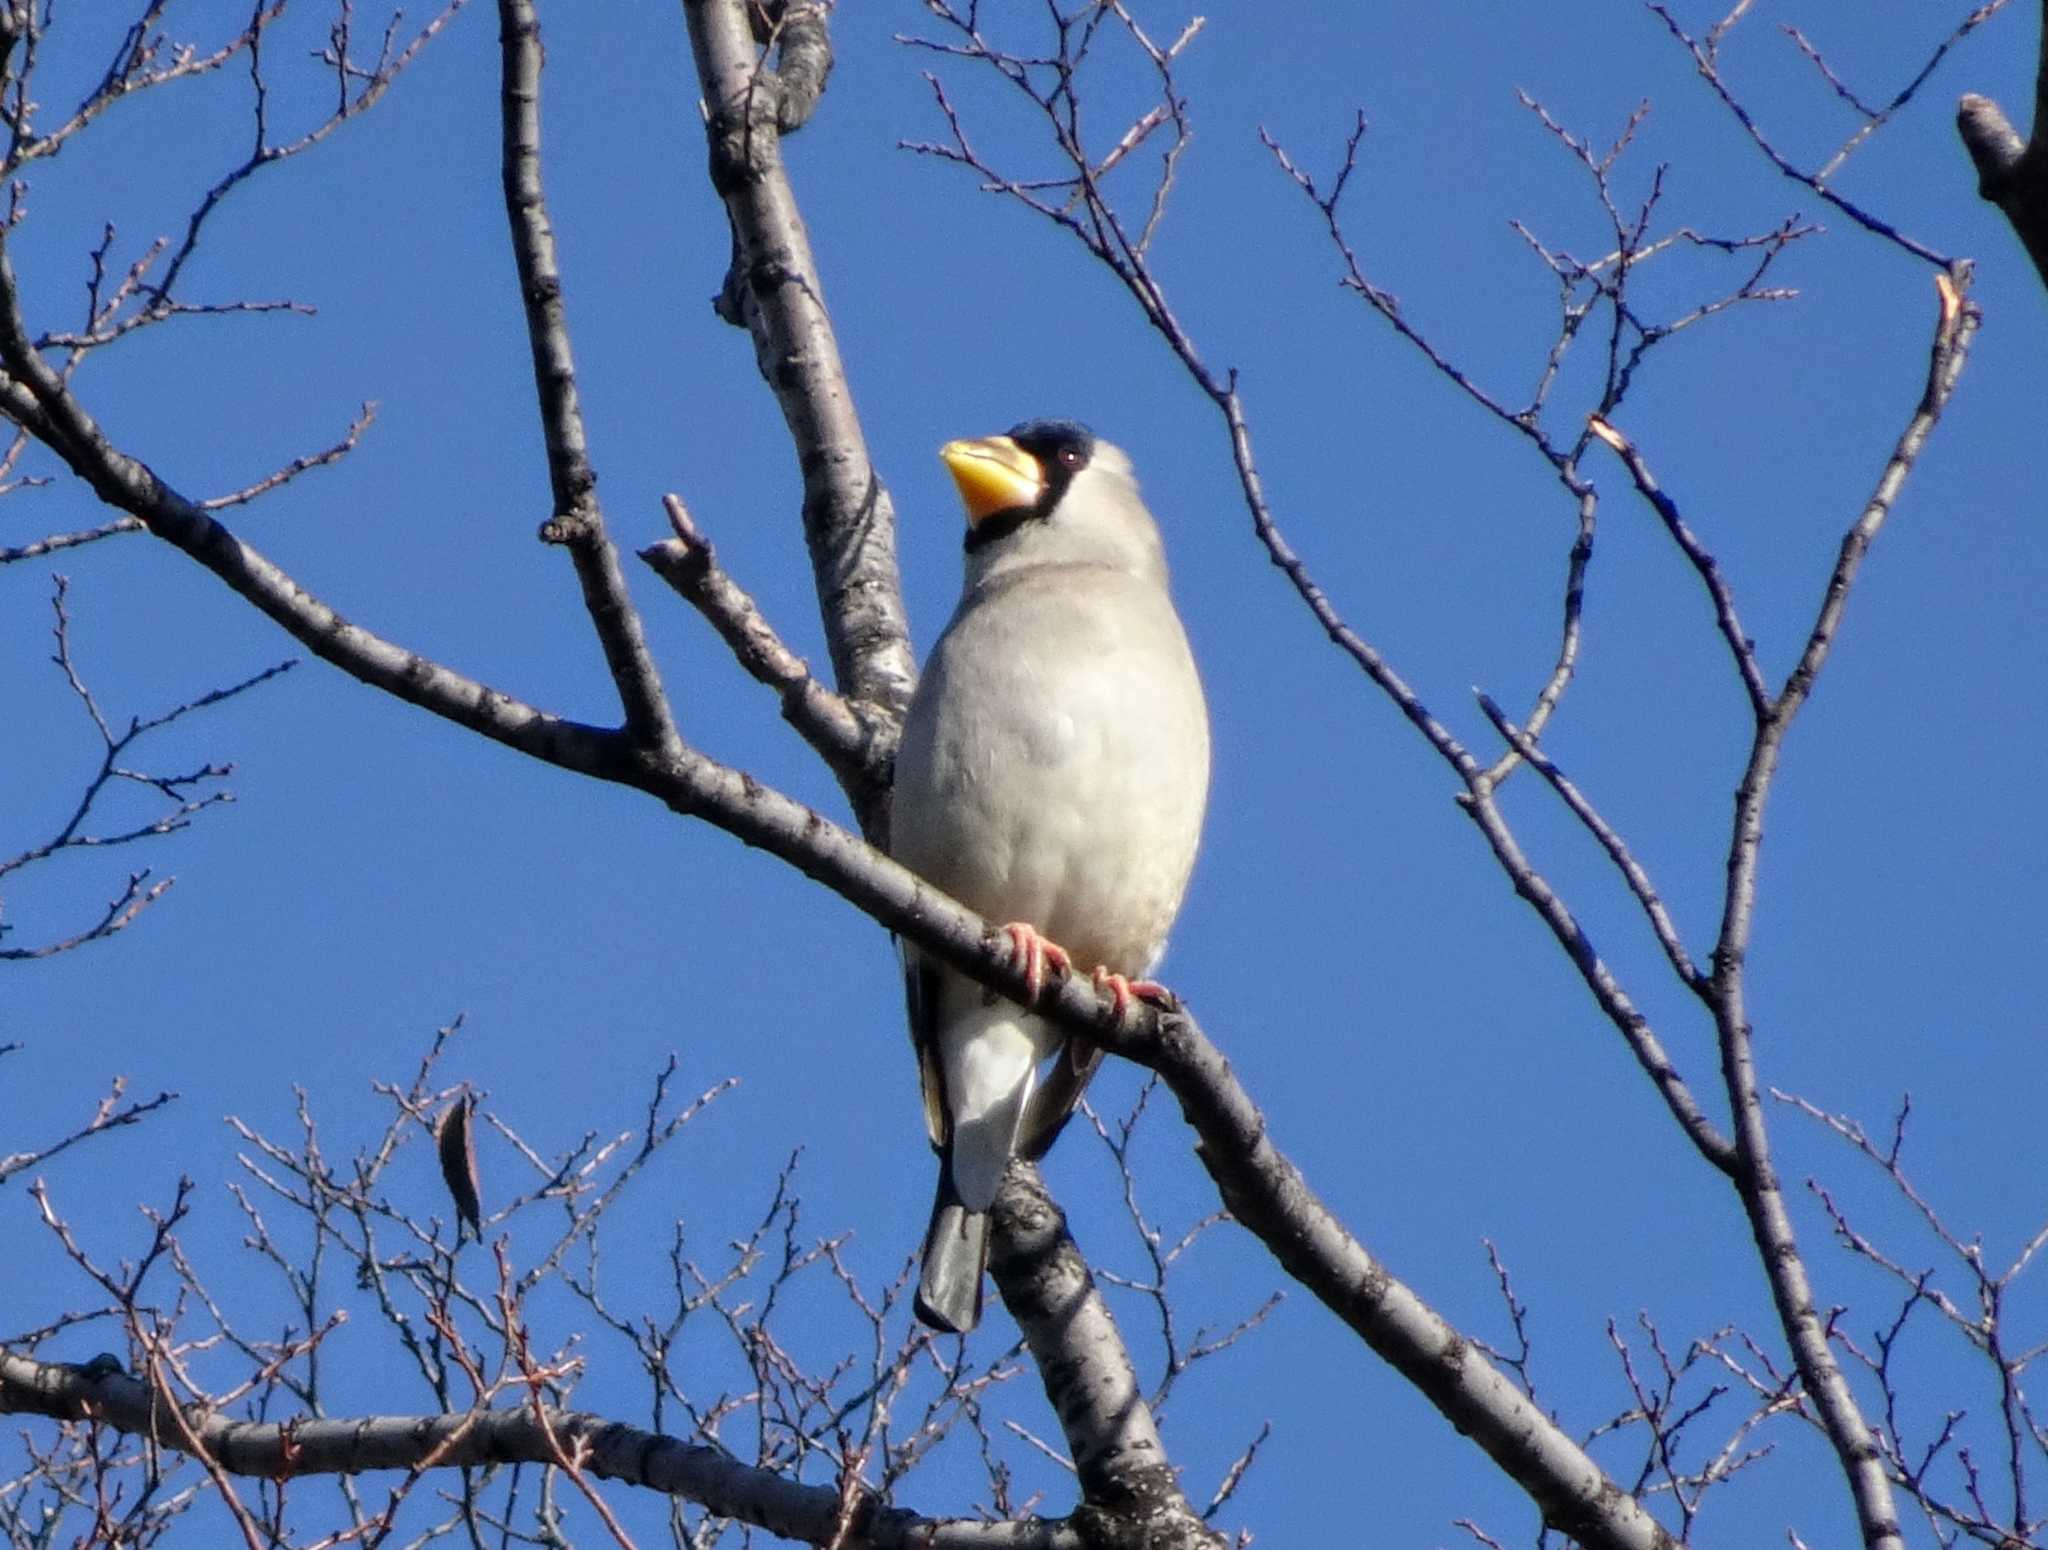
(846, 514)
(1267, 1195)
(813, 1514)
(849, 521)
(2013, 173)
(1131, 1491)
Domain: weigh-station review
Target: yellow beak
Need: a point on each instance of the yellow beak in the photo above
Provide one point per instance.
(993, 474)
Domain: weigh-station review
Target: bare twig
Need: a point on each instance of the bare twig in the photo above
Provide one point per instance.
(359, 88)
(1740, 646)
(110, 1114)
(186, 794)
(60, 541)
(1632, 870)
(1706, 59)
(298, 465)
(1179, 1352)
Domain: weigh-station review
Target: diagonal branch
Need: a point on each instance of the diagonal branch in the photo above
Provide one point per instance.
(1632, 870)
(1955, 330)
(1481, 804)
(1740, 646)
(850, 741)
(109, 1114)
(334, 452)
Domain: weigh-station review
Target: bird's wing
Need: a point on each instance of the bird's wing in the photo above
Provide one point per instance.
(1057, 1097)
(921, 996)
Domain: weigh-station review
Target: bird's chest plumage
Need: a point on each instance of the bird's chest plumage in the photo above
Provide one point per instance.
(1055, 762)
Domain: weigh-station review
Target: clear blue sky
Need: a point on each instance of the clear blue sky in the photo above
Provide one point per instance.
(1420, 1046)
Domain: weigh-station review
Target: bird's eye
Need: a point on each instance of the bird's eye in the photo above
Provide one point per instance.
(1070, 457)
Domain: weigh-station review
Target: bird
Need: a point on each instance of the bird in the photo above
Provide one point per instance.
(1052, 776)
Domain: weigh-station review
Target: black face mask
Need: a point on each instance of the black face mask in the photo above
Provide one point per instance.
(1063, 448)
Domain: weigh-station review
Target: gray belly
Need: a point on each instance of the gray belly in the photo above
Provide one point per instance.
(1060, 788)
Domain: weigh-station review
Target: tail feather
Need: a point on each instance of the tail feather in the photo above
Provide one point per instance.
(984, 1053)
(990, 1054)
(982, 1144)
(955, 1257)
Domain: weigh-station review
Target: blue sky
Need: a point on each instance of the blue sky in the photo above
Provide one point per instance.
(1420, 1047)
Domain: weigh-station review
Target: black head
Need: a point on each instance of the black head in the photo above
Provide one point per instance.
(1062, 448)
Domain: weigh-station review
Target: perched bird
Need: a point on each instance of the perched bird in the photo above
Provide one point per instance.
(1052, 775)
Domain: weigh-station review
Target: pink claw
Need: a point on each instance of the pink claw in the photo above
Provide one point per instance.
(1122, 990)
(1036, 953)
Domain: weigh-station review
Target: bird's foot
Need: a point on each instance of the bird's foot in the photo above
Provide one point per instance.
(1122, 991)
(1035, 954)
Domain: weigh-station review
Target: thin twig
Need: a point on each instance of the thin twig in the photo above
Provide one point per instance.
(578, 520)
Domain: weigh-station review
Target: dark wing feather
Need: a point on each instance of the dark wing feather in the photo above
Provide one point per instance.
(1052, 1105)
(921, 996)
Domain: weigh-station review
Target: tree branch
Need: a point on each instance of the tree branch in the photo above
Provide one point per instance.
(109, 1114)
(57, 542)
(1705, 58)
(1632, 870)
(578, 520)
(1740, 647)
(849, 521)
(851, 738)
(1756, 1177)
(1126, 1478)
(2013, 173)
(100, 1392)
(1261, 1186)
